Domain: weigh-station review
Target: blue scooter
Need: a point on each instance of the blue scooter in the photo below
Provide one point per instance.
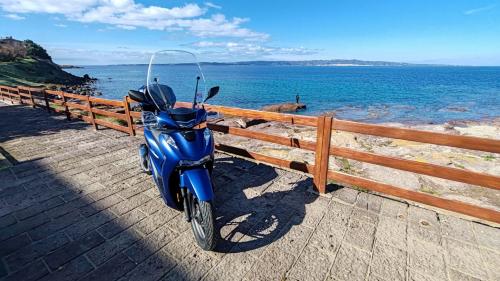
(179, 148)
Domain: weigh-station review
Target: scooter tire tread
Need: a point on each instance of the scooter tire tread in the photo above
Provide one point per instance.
(206, 208)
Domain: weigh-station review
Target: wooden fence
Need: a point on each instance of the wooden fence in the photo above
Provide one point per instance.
(92, 110)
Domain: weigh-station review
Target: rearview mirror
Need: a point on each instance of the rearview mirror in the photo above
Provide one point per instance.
(212, 92)
(136, 96)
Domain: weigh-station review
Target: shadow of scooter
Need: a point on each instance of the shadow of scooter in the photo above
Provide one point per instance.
(257, 203)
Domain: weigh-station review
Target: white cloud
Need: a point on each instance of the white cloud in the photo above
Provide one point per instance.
(14, 17)
(127, 14)
(84, 56)
(251, 50)
(478, 10)
(212, 5)
(60, 25)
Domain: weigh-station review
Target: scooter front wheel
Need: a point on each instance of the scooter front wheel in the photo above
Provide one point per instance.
(203, 224)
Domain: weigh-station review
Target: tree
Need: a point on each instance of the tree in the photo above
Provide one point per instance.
(35, 50)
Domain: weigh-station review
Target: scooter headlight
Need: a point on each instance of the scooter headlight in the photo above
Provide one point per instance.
(191, 163)
(170, 141)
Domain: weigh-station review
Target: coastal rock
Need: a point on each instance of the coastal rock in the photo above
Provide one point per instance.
(284, 107)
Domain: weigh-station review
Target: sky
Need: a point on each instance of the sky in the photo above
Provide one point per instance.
(458, 32)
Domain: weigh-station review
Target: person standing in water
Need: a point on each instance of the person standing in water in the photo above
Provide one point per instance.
(297, 97)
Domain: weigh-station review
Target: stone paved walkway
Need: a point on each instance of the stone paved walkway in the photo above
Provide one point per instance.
(75, 206)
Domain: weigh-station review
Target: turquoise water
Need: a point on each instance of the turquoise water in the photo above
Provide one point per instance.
(370, 94)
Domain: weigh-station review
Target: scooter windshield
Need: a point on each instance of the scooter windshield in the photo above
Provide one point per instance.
(172, 74)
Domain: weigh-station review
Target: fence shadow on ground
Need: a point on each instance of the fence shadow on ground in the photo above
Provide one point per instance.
(40, 122)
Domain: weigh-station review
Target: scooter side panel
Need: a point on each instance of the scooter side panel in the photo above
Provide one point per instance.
(162, 167)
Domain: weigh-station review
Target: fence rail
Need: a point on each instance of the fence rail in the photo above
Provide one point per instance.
(94, 110)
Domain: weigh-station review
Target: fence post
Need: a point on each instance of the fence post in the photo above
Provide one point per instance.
(91, 114)
(18, 93)
(126, 105)
(46, 98)
(31, 98)
(324, 133)
(66, 109)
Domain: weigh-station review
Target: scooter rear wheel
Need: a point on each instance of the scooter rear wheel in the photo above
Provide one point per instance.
(203, 224)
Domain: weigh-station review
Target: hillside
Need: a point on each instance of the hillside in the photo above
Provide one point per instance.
(332, 62)
(27, 63)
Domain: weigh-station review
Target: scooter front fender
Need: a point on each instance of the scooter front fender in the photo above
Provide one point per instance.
(198, 182)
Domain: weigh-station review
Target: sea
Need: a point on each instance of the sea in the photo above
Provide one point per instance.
(375, 94)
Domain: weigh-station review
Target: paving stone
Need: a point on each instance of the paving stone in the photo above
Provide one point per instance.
(134, 190)
(38, 208)
(73, 250)
(23, 226)
(459, 276)
(152, 206)
(151, 269)
(153, 242)
(417, 276)
(365, 215)
(313, 211)
(392, 232)
(492, 263)
(350, 264)
(10, 245)
(178, 223)
(312, 264)
(130, 204)
(88, 224)
(3, 269)
(100, 205)
(120, 224)
(155, 221)
(181, 246)
(360, 234)
(427, 258)
(73, 270)
(272, 266)
(292, 239)
(35, 250)
(487, 236)
(389, 262)
(457, 228)
(232, 267)
(329, 235)
(54, 225)
(112, 269)
(193, 267)
(117, 244)
(69, 207)
(369, 202)
(345, 194)
(466, 258)
(424, 225)
(33, 271)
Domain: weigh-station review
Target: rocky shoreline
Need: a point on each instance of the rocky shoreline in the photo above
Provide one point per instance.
(482, 162)
(87, 88)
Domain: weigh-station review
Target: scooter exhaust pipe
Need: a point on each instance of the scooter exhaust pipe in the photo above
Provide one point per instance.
(185, 202)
